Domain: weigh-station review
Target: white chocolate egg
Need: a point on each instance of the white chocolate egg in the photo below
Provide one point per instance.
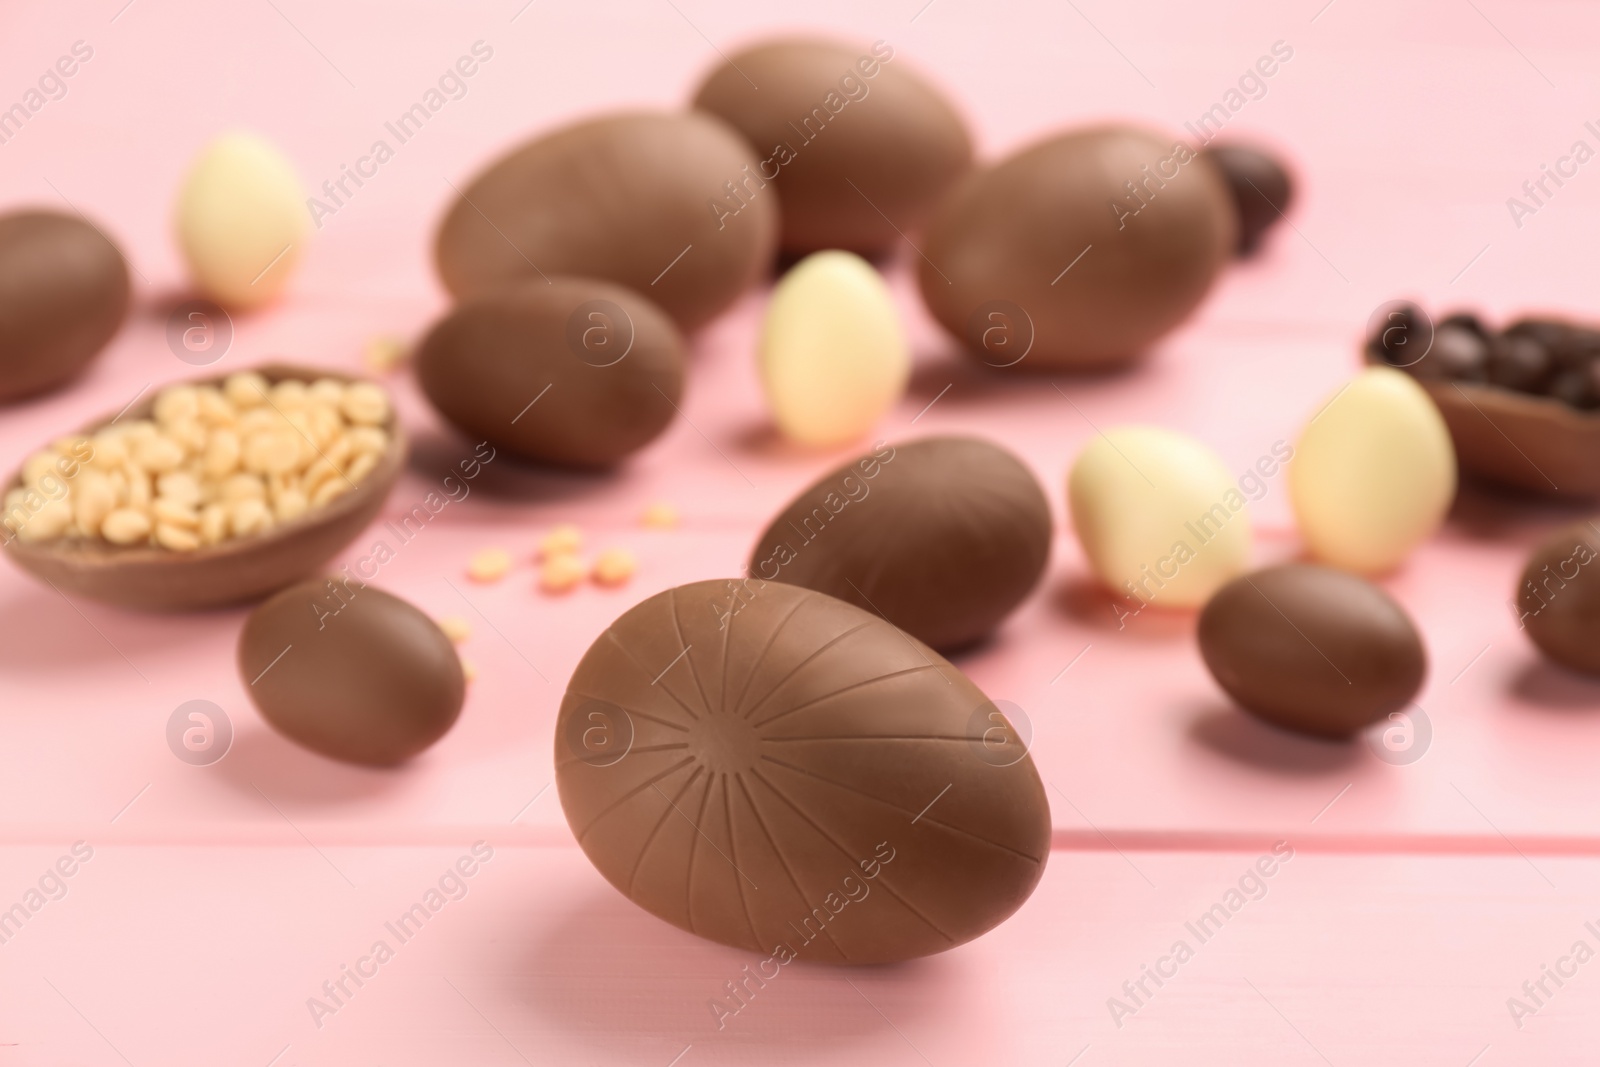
(1374, 473)
(1159, 516)
(833, 356)
(241, 220)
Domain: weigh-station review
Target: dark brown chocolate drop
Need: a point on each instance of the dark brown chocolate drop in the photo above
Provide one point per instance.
(575, 372)
(1558, 598)
(943, 537)
(1077, 252)
(856, 143)
(1312, 649)
(1261, 187)
(63, 295)
(803, 780)
(351, 672)
(623, 197)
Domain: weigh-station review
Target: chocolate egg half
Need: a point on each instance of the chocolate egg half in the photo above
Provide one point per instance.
(1078, 252)
(63, 295)
(943, 537)
(351, 671)
(574, 372)
(856, 142)
(1558, 600)
(628, 198)
(799, 780)
(1312, 649)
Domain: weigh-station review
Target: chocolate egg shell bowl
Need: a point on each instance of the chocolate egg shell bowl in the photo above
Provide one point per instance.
(1522, 405)
(153, 577)
(730, 772)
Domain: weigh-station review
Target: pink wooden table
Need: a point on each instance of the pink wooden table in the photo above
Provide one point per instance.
(218, 899)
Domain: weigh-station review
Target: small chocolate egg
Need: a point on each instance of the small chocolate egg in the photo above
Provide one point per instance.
(858, 145)
(1558, 600)
(1077, 252)
(1312, 649)
(1159, 517)
(833, 354)
(63, 295)
(1261, 187)
(241, 220)
(631, 198)
(801, 780)
(943, 537)
(575, 371)
(351, 671)
(1374, 472)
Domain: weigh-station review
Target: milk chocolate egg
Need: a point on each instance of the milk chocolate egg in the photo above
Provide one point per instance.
(856, 141)
(1260, 185)
(63, 295)
(575, 372)
(1079, 251)
(1558, 600)
(799, 780)
(943, 537)
(630, 198)
(351, 671)
(1312, 649)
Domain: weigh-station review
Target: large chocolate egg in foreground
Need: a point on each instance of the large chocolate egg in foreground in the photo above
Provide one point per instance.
(623, 197)
(776, 770)
(943, 537)
(1078, 252)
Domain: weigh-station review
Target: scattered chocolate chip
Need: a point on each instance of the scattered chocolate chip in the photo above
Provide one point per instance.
(1518, 362)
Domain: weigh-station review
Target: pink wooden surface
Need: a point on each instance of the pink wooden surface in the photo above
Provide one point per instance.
(206, 919)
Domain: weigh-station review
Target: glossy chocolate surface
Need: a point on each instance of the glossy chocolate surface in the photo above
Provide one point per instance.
(575, 372)
(1312, 649)
(855, 142)
(943, 537)
(624, 197)
(1079, 251)
(799, 777)
(1261, 187)
(63, 295)
(1558, 598)
(350, 671)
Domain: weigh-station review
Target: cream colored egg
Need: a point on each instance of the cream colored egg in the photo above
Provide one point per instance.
(833, 356)
(1374, 473)
(241, 220)
(1158, 515)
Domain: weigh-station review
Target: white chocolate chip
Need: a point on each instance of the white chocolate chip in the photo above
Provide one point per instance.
(270, 453)
(48, 523)
(178, 403)
(289, 394)
(329, 491)
(562, 572)
(93, 498)
(246, 517)
(614, 566)
(329, 391)
(173, 513)
(290, 504)
(562, 540)
(361, 466)
(213, 523)
(125, 526)
(246, 389)
(222, 453)
(489, 565)
(180, 487)
(176, 538)
(243, 486)
(157, 454)
(365, 404)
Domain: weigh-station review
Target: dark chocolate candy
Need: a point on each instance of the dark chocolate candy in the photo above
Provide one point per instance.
(623, 197)
(239, 569)
(1558, 598)
(802, 779)
(351, 671)
(1519, 363)
(1079, 251)
(63, 295)
(858, 146)
(1261, 187)
(575, 371)
(943, 537)
(1312, 649)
